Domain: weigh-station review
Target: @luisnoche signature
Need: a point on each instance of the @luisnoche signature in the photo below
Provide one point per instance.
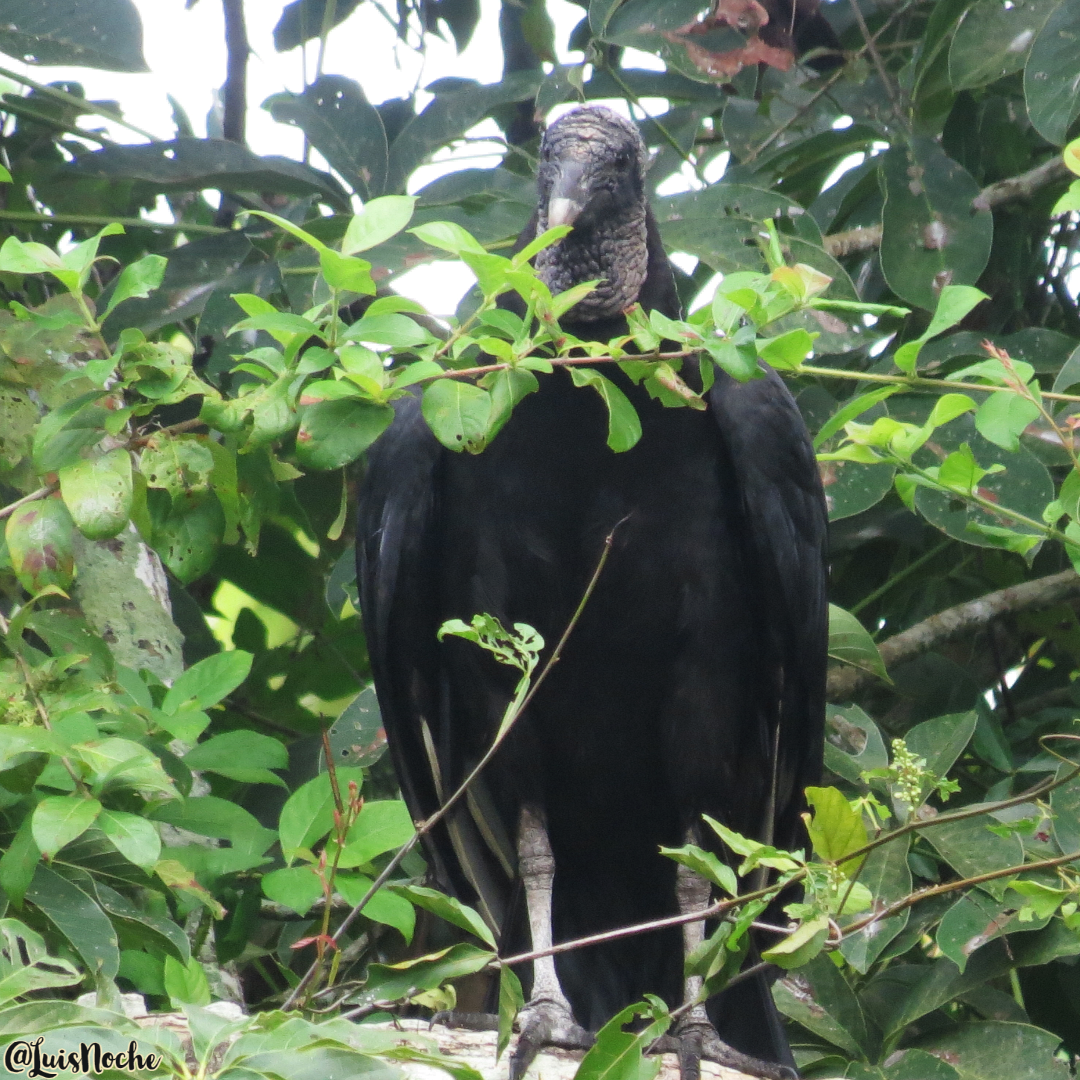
(29, 1059)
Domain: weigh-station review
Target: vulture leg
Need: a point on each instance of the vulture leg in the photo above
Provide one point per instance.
(695, 1034)
(547, 1019)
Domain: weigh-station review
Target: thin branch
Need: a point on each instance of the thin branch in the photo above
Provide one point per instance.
(1023, 186)
(80, 103)
(871, 47)
(426, 826)
(105, 219)
(915, 380)
(721, 907)
(845, 682)
(41, 492)
(953, 886)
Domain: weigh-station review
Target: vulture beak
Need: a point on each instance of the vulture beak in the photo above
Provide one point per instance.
(569, 194)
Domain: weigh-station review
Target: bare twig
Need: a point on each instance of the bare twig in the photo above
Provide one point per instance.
(41, 492)
(953, 886)
(1042, 593)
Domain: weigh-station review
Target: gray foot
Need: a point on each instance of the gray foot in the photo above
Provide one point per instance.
(695, 1042)
(545, 1022)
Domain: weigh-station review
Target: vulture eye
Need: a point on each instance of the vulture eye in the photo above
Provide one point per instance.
(622, 159)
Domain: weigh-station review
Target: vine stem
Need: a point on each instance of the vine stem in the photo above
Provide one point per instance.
(917, 380)
(425, 827)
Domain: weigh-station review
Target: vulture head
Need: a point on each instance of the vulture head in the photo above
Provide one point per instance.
(592, 176)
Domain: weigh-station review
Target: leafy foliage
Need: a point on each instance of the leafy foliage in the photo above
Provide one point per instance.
(192, 787)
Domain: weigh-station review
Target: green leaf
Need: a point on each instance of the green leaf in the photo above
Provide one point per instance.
(186, 983)
(208, 815)
(994, 40)
(1002, 418)
(384, 907)
(308, 813)
(186, 535)
(98, 492)
(139, 278)
(835, 830)
(297, 887)
(104, 34)
(381, 826)
(40, 542)
(63, 432)
(624, 425)
(888, 877)
(619, 1054)
(245, 756)
(942, 740)
(511, 1002)
(788, 351)
(346, 272)
(133, 836)
(377, 222)
(449, 237)
(25, 964)
(850, 643)
(1050, 89)
(953, 304)
(971, 922)
(457, 413)
(59, 819)
(334, 433)
(339, 121)
(801, 946)
(820, 999)
(209, 681)
(998, 1050)
(706, 864)
(448, 908)
(78, 918)
(971, 849)
(393, 981)
(19, 863)
(931, 235)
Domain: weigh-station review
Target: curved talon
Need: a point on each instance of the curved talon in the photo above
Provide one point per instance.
(545, 1022)
(704, 1043)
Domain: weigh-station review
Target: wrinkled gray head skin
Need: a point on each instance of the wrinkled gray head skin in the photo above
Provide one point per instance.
(592, 176)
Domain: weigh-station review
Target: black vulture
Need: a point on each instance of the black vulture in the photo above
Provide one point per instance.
(694, 681)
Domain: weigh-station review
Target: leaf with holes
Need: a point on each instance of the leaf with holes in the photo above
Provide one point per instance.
(931, 234)
(343, 126)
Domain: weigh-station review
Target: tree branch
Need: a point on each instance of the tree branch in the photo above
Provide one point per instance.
(233, 95)
(1045, 592)
(1024, 186)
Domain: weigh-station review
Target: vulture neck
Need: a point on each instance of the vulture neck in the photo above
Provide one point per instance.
(614, 250)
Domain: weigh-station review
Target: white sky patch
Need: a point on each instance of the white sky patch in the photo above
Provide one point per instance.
(185, 50)
(686, 263)
(705, 296)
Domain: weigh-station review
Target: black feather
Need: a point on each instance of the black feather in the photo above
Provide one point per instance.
(698, 660)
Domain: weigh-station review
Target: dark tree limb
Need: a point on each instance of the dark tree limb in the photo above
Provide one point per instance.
(233, 94)
(845, 682)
